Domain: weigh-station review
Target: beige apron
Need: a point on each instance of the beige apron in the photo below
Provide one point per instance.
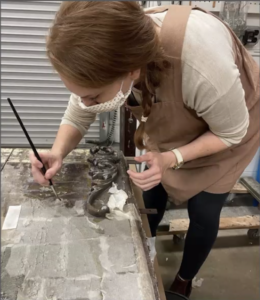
(172, 125)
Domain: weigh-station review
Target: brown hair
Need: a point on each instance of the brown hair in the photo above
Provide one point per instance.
(94, 43)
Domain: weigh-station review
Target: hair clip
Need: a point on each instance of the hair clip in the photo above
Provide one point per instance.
(144, 119)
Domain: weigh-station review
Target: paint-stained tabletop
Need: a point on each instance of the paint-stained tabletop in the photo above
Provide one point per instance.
(60, 252)
(71, 182)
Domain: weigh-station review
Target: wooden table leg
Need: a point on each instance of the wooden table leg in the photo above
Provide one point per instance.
(140, 203)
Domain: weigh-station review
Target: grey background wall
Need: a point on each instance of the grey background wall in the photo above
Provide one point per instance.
(27, 76)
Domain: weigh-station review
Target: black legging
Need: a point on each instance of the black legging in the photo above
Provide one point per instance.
(204, 213)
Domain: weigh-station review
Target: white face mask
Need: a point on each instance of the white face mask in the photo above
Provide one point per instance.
(111, 105)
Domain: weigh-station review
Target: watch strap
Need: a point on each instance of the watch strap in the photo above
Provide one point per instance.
(179, 159)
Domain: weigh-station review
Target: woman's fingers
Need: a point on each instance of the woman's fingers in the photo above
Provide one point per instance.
(149, 186)
(145, 158)
(150, 178)
(52, 164)
(52, 171)
(144, 175)
(34, 161)
(156, 177)
(38, 176)
(36, 169)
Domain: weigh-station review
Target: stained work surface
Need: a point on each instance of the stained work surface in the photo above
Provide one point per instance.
(59, 253)
(5, 155)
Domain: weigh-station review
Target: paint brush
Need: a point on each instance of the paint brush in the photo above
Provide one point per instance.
(31, 144)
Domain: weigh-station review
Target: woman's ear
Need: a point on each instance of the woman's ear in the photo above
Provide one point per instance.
(135, 75)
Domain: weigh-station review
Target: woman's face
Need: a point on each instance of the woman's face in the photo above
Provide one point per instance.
(94, 96)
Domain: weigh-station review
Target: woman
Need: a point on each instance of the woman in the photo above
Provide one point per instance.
(196, 96)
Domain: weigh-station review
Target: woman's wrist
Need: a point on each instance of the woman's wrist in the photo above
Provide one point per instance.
(68, 137)
(57, 152)
(169, 159)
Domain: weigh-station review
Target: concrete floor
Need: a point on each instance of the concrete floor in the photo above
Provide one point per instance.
(231, 271)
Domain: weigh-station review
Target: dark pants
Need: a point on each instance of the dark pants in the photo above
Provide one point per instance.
(204, 213)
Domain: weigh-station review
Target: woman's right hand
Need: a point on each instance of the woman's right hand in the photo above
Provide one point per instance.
(52, 163)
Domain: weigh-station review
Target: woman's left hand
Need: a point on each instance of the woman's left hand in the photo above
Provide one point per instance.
(158, 163)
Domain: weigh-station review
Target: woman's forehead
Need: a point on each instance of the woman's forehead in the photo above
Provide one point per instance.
(79, 90)
(85, 92)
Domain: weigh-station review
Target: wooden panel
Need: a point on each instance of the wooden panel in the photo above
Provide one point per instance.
(140, 203)
(5, 152)
(5, 155)
(127, 131)
(253, 222)
(252, 186)
(239, 189)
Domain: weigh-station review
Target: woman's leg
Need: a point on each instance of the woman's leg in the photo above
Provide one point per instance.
(204, 213)
(155, 198)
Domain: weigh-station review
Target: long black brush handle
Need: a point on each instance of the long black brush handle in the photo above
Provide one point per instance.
(28, 137)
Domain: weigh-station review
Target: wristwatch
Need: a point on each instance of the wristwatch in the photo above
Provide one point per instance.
(179, 159)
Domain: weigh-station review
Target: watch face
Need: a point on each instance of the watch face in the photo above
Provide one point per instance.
(178, 166)
(179, 159)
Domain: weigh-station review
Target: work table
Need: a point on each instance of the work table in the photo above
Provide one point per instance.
(57, 252)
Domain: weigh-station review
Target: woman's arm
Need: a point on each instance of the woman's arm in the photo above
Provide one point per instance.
(66, 140)
(207, 144)
(75, 124)
(225, 113)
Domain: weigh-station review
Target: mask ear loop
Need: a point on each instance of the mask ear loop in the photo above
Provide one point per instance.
(131, 85)
(121, 86)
